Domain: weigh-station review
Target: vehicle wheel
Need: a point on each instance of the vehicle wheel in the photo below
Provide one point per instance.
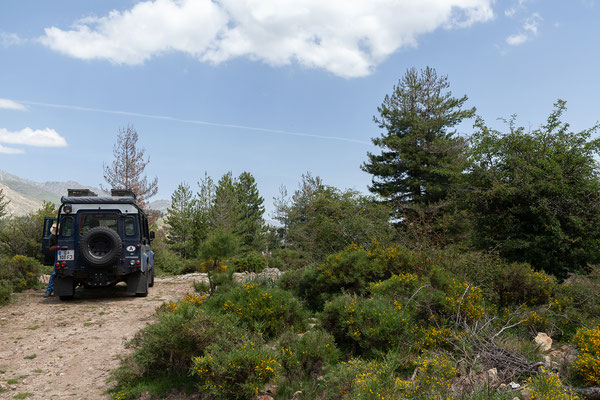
(151, 284)
(64, 298)
(100, 247)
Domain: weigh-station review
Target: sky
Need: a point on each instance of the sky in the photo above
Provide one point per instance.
(277, 88)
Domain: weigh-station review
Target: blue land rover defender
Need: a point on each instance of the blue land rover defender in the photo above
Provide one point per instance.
(100, 241)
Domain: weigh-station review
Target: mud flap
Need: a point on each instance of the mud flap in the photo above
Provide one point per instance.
(137, 283)
(64, 287)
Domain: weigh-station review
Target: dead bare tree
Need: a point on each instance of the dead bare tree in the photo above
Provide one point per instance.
(127, 169)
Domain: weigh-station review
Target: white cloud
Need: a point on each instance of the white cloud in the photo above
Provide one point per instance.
(528, 31)
(517, 39)
(10, 39)
(10, 150)
(11, 105)
(518, 6)
(346, 37)
(30, 137)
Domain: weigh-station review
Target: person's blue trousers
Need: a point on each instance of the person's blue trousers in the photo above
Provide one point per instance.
(50, 287)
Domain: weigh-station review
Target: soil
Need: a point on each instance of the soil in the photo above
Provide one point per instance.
(54, 349)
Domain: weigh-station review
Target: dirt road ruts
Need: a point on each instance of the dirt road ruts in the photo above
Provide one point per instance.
(65, 349)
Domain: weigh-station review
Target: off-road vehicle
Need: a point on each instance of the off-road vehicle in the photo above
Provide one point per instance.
(100, 241)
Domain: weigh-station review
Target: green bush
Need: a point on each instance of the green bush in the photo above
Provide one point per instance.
(477, 268)
(584, 292)
(23, 272)
(349, 270)
(362, 380)
(287, 259)
(5, 291)
(402, 285)
(268, 311)
(435, 372)
(587, 364)
(21, 235)
(355, 268)
(303, 284)
(201, 287)
(306, 355)
(547, 385)
(224, 282)
(167, 261)
(438, 297)
(519, 284)
(375, 380)
(236, 372)
(366, 326)
(190, 266)
(251, 262)
(183, 330)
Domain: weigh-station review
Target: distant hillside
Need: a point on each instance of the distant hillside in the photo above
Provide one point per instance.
(160, 205)
(19, 204)
(27, 196)
(33, 191)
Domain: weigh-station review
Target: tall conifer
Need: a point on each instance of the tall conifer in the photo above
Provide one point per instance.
(419, 148)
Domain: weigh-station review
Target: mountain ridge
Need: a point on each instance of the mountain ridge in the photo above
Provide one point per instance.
(26, 196)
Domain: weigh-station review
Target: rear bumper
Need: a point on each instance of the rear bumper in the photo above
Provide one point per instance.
(98, 277)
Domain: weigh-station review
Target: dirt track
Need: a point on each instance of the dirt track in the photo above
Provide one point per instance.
(65, 350)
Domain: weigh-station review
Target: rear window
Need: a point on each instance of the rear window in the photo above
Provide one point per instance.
(89, 221)
(66, 227)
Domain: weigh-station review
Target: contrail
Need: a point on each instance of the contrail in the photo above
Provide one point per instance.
(193, 121)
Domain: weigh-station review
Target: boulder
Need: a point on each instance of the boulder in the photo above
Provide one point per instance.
(543, 341)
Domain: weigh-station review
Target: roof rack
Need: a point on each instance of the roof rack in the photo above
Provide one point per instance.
(81, 193)
(122, 193)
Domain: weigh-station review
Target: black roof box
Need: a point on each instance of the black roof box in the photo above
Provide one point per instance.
(80, 193)
(122, 193)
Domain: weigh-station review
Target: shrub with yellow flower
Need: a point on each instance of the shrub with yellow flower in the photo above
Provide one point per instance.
(587, 364)
(238, 372)
(261, 309)
(546, 385)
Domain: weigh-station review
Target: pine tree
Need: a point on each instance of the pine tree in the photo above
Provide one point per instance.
(251, 225)
(3, 203)
(205, 202)
(127, 168)
(224, 213)
(420, 151)
(180, 218)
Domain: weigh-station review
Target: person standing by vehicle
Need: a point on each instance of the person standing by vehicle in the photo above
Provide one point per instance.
(53, 248)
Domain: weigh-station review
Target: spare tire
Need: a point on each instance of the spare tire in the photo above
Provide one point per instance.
(100, 247)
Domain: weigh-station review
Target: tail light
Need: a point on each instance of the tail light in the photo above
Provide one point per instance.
(63, 264)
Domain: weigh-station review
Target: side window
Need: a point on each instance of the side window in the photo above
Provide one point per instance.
(145, 227)
(129, 226)
(47, 224)
(66, 227)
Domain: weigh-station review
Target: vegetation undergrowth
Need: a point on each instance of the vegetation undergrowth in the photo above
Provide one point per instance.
(391, 322)
(17, 274)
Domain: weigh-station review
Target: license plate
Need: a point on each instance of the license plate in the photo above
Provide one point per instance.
(65, 255)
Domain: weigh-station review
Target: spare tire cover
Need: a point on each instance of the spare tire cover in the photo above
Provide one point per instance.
(100, 247)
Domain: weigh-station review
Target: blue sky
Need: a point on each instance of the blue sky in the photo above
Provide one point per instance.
(305, 76)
